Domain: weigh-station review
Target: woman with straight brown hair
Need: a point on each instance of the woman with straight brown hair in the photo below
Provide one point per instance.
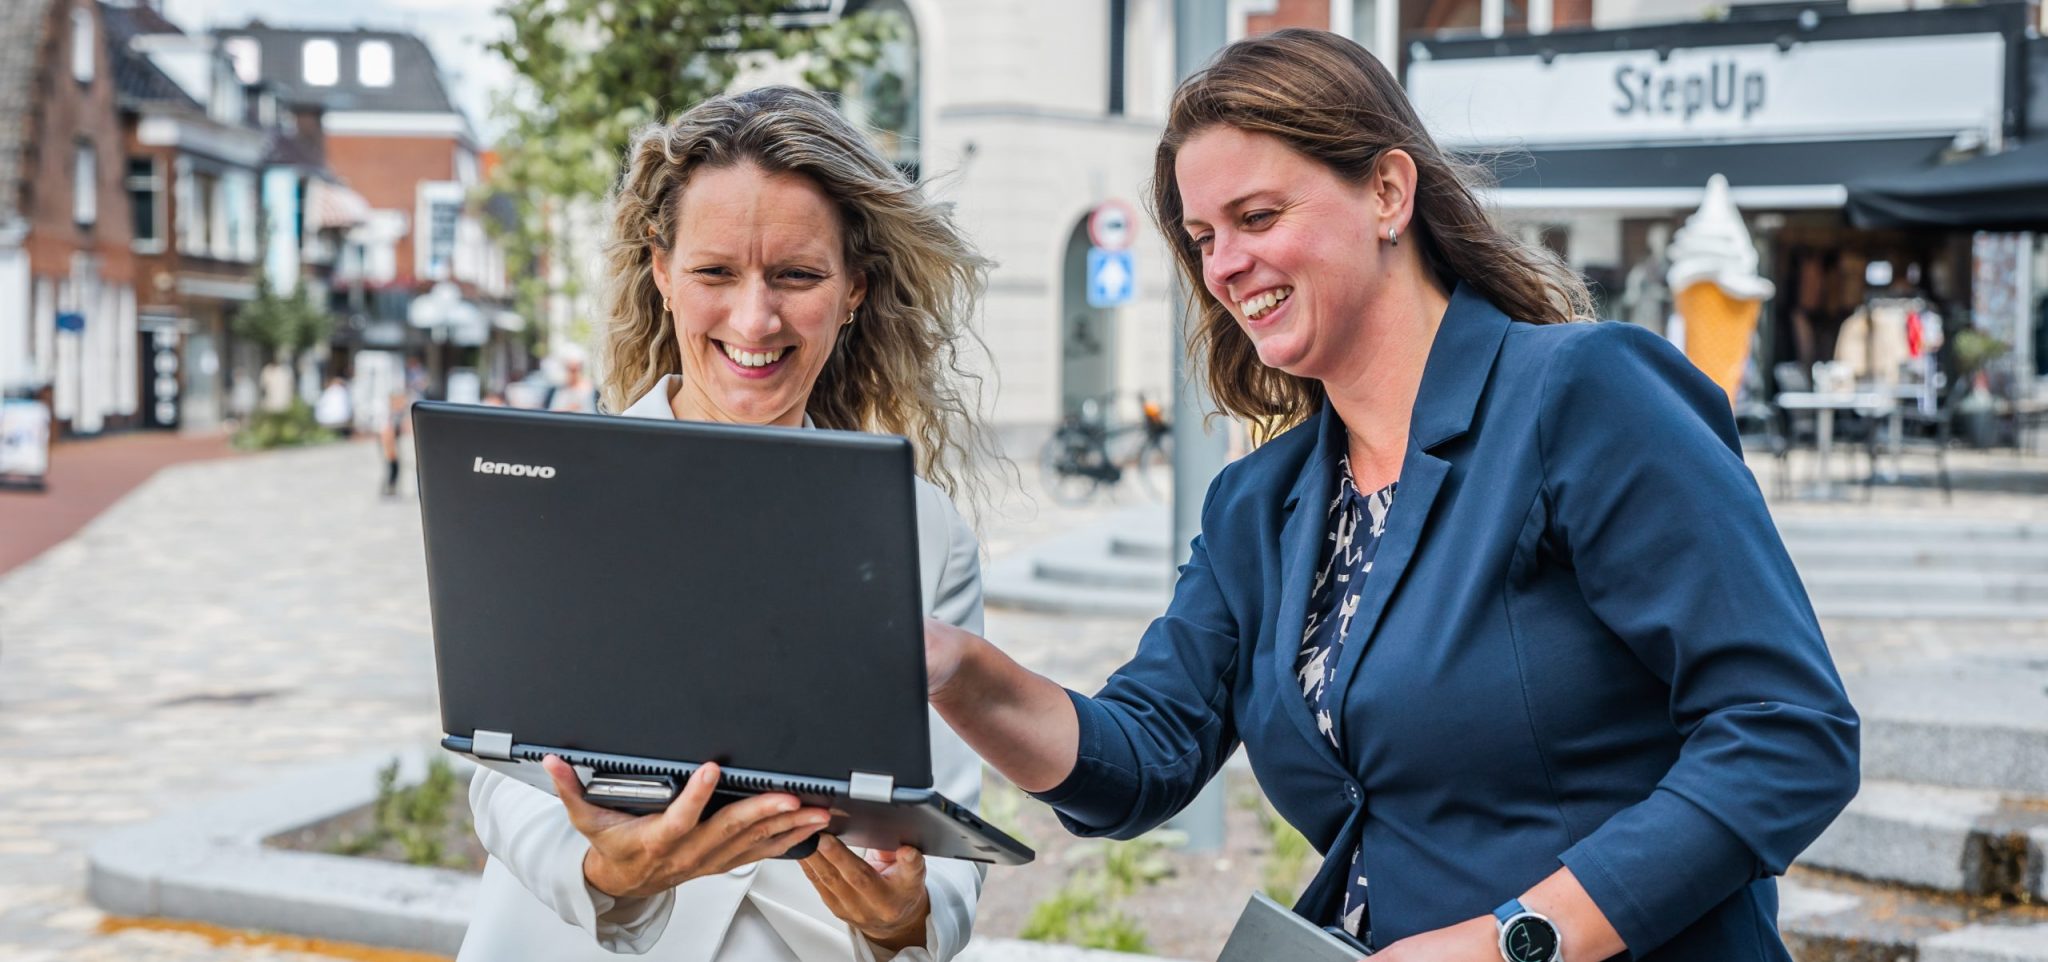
(1499, 615)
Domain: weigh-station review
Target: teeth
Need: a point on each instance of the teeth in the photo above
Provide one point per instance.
(752, 358)
(1259, 306)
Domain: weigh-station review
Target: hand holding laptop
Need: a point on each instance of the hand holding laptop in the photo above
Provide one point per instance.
(634, 856)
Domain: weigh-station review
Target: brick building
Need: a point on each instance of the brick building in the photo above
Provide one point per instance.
(67, 270)
(392, 132)
(191, 163)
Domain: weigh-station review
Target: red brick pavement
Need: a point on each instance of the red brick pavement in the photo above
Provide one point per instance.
(87, 476)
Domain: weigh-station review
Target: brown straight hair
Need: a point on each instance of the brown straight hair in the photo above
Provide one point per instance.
(1331, 101)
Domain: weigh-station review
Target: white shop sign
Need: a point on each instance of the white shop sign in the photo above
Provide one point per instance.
(1896, 87)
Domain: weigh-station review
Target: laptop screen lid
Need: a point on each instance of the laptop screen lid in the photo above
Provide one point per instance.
(676, 590)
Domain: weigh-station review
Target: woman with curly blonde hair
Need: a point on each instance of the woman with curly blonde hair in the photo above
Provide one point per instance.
(768, 267)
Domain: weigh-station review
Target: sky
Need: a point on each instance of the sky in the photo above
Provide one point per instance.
(456, 30)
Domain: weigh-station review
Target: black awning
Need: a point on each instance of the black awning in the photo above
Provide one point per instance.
(2002, 192)
(1745, 165)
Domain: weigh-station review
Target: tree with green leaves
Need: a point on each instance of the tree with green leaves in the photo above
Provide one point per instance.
(284, 325)
(592, 71)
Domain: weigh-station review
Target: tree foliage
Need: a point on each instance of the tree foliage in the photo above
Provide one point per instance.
(283, 325)
(590, 72)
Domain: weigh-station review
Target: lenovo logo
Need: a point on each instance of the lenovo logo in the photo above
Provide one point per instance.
(516, 470)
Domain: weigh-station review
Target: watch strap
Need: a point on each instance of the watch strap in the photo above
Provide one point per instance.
(1508, 909)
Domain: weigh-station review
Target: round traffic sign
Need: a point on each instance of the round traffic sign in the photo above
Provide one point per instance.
(1111, 224)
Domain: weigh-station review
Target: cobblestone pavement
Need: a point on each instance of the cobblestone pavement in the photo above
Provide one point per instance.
(87, 476)
(231, 617)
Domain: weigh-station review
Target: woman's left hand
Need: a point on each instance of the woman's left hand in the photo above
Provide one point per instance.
(883, 895)
(1473, 940)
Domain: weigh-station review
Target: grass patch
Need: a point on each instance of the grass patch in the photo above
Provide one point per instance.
(414, 819)
(1084, 911)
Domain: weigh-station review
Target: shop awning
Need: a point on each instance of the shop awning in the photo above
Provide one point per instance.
(1763, 176)
(2002, 192)
(329, 204)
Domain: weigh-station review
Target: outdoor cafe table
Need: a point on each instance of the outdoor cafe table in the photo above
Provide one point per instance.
(1824, 407)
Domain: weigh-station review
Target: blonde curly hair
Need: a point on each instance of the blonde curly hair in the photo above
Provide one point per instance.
(898, 370)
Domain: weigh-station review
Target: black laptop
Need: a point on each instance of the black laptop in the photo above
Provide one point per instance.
(641, 597)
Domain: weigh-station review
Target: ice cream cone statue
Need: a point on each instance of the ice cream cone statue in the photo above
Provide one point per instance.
(1715, 286)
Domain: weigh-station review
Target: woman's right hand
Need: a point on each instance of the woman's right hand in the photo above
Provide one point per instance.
(635, 856)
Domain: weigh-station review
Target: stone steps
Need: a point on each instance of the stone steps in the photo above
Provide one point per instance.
(1945, 585)
(1975, 724)
(1826, 918)
(1959, 841)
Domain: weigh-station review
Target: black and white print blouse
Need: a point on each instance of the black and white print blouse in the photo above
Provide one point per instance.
(1357, 523)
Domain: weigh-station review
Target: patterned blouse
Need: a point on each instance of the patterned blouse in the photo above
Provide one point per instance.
(1356, 524)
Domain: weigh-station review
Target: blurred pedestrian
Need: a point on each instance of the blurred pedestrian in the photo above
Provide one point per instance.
(576, 393)
(1444, 612)
(334, 410)
(769, 267)
(390, 427)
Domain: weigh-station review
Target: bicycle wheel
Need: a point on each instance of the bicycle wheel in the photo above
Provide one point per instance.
(1153, 467)
(1060, 470)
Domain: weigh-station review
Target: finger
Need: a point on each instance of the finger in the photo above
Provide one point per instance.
(839, 862)
(687, 809)
(582, 814)
(737, 819)
(909, 868)
(829, 892)
(769, 837)
(777, 844)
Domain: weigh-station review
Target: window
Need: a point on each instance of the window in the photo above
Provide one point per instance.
(247, 56)
(146, 200)
(85, 195)
(373, 63)
(441, 238)
(215, 200)
(322, 62)
(83, 44)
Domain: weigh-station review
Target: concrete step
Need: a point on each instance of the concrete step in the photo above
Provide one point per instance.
(1830, 919)
(1015, 582)
(1901, 609)
(1979, 723)
(1803, 529)
(1912, 555)
(1959, 841)
(1933, 585)
(1109, 570)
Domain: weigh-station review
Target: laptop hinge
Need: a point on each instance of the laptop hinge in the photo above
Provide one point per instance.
(871, 788)
(489, 744)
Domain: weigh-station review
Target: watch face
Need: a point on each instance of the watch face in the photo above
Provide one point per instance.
(1529, 939)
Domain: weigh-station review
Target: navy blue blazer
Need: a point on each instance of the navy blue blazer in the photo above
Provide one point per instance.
(1582, 643)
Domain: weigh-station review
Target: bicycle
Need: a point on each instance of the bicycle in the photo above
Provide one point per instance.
(1076, 463)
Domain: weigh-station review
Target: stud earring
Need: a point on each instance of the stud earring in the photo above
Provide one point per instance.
(1393, 237)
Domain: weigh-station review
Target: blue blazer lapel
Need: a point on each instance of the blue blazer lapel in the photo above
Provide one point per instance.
(1301, 541)
(1460, 362)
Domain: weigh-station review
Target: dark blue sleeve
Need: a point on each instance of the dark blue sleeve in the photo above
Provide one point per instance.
(1161, 726)
(1676, 553)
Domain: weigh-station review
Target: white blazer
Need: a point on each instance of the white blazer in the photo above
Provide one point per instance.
(533, 902)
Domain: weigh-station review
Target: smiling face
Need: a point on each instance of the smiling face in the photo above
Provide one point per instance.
(758, 286)
(1294, 252)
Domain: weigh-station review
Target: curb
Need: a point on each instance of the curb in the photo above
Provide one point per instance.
(209, 864)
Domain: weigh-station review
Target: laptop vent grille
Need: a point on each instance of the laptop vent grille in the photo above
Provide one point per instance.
(730, 780)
